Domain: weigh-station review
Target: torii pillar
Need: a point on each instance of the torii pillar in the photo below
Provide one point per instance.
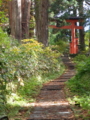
(74, 40)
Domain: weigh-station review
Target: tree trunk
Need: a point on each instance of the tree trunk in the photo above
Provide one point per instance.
(25, 18)
(19, 14)
(32, 20)
(41, 16)
(12, 16)
(81, 32)
(18, 20)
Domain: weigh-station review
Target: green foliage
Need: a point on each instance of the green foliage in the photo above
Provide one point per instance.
(79, 85)
(31, 87)
(62, 5)
(25, 67)
(4, 46)
(59, 39)
(4, 40)
(87, 39)
(3, 11)
(82, 101)
(80, 60)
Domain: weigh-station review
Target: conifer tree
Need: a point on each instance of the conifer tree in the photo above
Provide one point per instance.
(41, 16)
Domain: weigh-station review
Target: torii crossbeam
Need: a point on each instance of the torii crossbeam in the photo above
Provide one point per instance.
(74, 41)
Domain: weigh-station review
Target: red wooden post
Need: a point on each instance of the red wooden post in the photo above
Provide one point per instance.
(77, 50)
(74, 41)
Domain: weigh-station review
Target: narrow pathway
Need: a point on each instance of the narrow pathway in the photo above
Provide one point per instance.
(51, 103)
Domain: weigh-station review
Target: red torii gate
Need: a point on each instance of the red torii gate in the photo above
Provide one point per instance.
(74, 41)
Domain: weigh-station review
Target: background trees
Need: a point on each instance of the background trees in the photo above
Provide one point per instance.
(21, 15)
(71, 8)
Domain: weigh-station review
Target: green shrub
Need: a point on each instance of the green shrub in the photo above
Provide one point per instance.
(79, 85)
(27, 60)
(80, 61)
(23, 65)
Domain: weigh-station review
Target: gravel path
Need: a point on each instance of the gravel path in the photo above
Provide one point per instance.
(51, 103)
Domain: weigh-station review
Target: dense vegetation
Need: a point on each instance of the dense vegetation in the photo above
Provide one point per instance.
(79, 87)
(23, 69)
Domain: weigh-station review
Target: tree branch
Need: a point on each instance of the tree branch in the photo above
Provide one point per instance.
(87, 2)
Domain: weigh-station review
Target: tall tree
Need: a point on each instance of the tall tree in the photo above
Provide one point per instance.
(19, 15)
(32, 20)
(81, 32)
(25, 18)
(41, 16)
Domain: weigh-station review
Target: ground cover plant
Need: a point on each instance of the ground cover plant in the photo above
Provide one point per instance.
(79, 87)
(23, 70)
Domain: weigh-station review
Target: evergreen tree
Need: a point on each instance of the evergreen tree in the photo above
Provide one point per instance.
(19, 15)
(41, 17)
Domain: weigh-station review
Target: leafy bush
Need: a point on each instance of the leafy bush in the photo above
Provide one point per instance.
(4, 46)
(79, 85)
(27, 60)
(82, 64)
(23, 65)
(80, 61)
